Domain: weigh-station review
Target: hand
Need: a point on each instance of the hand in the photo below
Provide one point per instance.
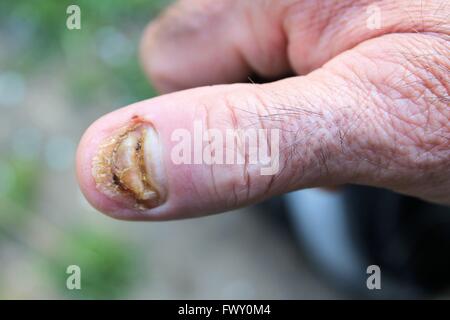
(369, 105)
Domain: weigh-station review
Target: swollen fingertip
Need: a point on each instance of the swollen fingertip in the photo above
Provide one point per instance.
(128, 167)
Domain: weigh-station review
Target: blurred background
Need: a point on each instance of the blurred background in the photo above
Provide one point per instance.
(55, 82)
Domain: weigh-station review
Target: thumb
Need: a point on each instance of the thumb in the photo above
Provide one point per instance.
(216, 148)
(210, 149)
(201, 151)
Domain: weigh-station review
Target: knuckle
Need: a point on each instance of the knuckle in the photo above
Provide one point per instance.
(187, 17)
(152, 53)
(413, 100)
(167, 48)
(236, 113)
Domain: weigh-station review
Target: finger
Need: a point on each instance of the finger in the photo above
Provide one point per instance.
(203, 42)
(370, 116)
(194, 36)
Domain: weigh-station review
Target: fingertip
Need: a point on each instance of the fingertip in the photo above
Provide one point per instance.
(151, 114)
(87, 149)
(85, 152)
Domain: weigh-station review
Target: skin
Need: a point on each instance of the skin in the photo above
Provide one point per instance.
(366, 106)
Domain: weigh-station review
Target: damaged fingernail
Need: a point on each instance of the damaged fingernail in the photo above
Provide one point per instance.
(129, 168)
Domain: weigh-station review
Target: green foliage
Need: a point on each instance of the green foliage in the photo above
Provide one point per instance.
(18, 182)
(109, 266)
(25, 177)
(97, 64)
(41, 39)
(45, 21)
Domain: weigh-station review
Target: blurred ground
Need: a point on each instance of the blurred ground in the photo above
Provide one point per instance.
(53, 84)
(232, 256)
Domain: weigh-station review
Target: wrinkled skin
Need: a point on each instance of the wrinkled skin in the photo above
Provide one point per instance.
(366, 105)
